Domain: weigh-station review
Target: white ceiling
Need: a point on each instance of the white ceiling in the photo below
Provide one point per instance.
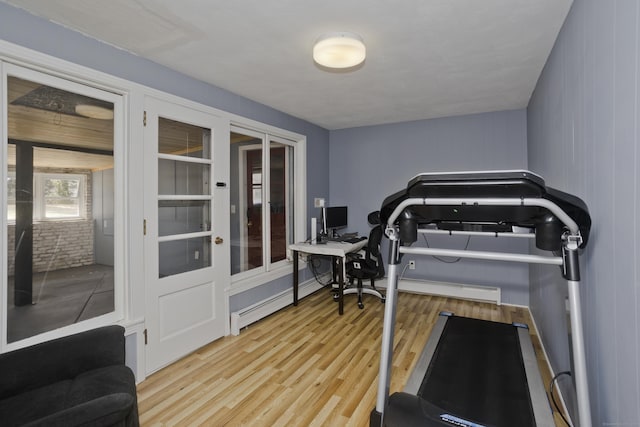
(425, 58)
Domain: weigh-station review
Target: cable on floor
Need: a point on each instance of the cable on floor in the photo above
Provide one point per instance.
(553, 399)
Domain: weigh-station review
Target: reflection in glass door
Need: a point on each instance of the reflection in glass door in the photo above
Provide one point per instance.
(60, 204)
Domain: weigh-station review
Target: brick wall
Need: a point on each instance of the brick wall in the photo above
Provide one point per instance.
(57, 245)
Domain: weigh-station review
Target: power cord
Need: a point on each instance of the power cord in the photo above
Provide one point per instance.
(403, 270)
(314, 265)
(553, 399)
(466, 246)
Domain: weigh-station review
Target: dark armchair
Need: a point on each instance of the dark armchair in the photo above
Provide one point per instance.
(71, 381)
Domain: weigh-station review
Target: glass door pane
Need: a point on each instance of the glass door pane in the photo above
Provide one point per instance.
(61, 197)
(184, 197)
(280, 197)
(253, 199)
(246, 185)
(262, 200)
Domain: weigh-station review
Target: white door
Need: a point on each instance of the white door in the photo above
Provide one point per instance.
(186, 241)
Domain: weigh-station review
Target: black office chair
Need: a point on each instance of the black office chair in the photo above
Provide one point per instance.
(368, 267)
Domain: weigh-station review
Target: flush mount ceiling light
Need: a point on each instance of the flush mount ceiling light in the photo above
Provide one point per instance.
(94, 112)
(339, 50)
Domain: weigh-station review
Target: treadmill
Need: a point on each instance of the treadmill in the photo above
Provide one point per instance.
(475, 373)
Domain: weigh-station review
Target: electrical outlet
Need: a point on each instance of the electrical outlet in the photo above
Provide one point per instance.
(412, 265)
(318, 202)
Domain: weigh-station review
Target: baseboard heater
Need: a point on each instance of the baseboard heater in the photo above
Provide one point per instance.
(451, 290)
(262, 309)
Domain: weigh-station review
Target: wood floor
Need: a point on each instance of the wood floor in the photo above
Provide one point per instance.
(304, 366)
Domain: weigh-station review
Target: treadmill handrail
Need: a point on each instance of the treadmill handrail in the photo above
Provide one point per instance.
(491, 201)
(476, 233)
(486, 255)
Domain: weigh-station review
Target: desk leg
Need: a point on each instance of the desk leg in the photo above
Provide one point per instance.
(340, 269)
(295, 277)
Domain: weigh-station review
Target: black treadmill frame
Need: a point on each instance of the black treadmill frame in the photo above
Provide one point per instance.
(403, 220)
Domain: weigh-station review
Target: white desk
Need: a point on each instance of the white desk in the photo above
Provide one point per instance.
(337, 251)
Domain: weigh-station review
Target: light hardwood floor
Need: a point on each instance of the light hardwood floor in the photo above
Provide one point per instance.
(305, 365)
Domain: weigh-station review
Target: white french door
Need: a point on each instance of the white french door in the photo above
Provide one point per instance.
(186, 241)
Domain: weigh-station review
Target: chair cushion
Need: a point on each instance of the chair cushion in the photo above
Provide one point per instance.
(34, 404)
(101, 382)
(113, 410)
(102, 396)
(61, 359)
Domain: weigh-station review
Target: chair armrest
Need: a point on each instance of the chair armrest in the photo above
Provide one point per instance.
(107, 410)
(63, 358)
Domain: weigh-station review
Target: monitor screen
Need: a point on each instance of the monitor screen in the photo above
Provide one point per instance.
(334, 217)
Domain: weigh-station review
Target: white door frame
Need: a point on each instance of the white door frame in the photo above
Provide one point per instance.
(188, 310)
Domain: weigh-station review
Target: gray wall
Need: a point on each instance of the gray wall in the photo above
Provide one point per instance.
(21, 28)
(369, 163)
(583, 138)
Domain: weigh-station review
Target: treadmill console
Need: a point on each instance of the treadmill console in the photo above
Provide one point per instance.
(478, 217)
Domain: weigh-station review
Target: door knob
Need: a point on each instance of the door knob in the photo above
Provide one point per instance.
(218, 240)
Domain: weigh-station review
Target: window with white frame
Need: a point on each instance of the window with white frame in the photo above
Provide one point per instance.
(56, 196)
(266, 194)
(62, 182)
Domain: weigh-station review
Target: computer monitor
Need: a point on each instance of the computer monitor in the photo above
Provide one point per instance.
(334, 218)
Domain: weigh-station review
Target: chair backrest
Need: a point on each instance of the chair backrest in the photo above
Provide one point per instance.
(374, 218)
(373, 248)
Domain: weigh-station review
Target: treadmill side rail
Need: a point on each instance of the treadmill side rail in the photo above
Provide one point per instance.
(415, 379)
(539, 400)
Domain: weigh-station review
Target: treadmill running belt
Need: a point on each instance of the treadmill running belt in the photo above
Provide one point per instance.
(477, 374)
